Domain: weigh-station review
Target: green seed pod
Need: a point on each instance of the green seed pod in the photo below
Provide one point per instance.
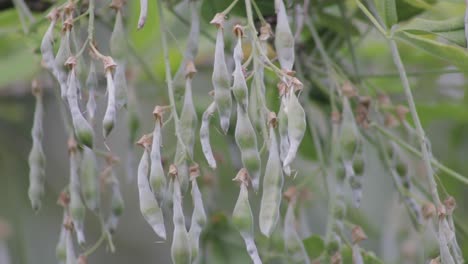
(188, 117)
(247, 142)
(205, 135)
(47, 43)
(292, 241)
(118, 39)
(181, 248)
(110, 115)
(70, 251)
(157, 176)
(83, 130)
(349, 134)
(117, 203)
(242, 216)
(283, 133)
(92, 84)
(296, 126)
(272, 188)
(198, 216)
(120, 82)
(149, 207)
(239, 87)
(63, 53)
(180, 160)
(77, 208)
(89, 179)
(221, 83)
(284, 39)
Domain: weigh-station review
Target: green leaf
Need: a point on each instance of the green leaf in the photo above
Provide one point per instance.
(336, 24)
(419, 3)
(314, 246)
(427, 25)
(210, 8)
(454, 54)
(387, 11)
(443, 111)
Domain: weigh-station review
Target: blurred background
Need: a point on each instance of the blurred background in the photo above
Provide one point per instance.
(28, 237)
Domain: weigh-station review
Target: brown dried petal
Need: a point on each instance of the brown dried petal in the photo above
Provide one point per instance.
(173, 170)
(72, 145)
(290, 194)
(242, 177)
(272, 119)
(391, 120)
(194, 171)
(63, 199)
(190, 69)
(265, 32)
(401, 112)
(218, 20)
(428, 210)
(348, 90)
(357, 234)
(450, 204)
(109, 63)
(145, 141)
(336, 258)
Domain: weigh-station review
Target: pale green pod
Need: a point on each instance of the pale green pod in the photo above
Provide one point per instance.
(157, 177)
(198, 221)
(188, 119)
(83, 130)
(357, 257)
(292, 241)
(221, 83)
(143, 13)
(61, 248)
(349, 134)
(92, 85)
(118, 39)
(272, 189)
(90, 186)
(63, 53)
(181, 249)
(47, 47)
(180, 160)
(284, 39)
(239, 86)
(283, 133)
(120, 83)
(149, 207)
(296, 126)
(70, 251)
(257, 106)
(445, 235)
(110, 115)
(247, 142)
(77, 207)
(117, 203)
(205, 135)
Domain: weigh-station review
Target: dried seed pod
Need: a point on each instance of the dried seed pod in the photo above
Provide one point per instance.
(63, 53)
(239, 86)
(284, 39)
(157, 176)
(221, 83)
(181, 249)
(120, 82)
(292, 241)
(110, 115)
(117, 203)
(198, 215)
(89, 179)
(205, 135)
(296, 126)
(272, 188)
(149, 207)
(77, 208)
(92, 84)
(36, 158)
(143, 13)
(188, 117)
(83, 130)
(242, 217)
(283, 133)
(118, 39)
(247, 142)
(349, 134)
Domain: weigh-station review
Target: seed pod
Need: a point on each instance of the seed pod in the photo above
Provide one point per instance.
(205, 135)
(77, 208)
(92, 84)
(149, 207)
(110, 114)
(157, 177)
(118, 39)
(247, 142)
(349, 134)
(61, 248)
(47, 43)
(181, 248)
(242, 217)
(117, 203)
(357, 257)
(221, 83)
(63, 53)
(120, 82)
(198, 215)
(292, 241)
(83, 130)
(272, 187)
(89, 179)
(180, 160)
(355, 180)
(36, 159)
(239, 86)
(70, 251)
(257, 106)
(143, 13)
(283, 133)
(445, 236)
(296, 126)
(284, 39)
(188, 117)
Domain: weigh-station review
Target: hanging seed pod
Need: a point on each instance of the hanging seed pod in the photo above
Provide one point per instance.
(355, 180)
(284, 39)
(89, 179)
(149, 206)
(180, 160)
(117, 203)
(120, 82)
(36, 159)
(110, 114)
(205, 135)
(188, 117)
(349, 134)
(292, 241)
(221, 82)
(77, 208)
(272, 185)
(445, 236)
(70, 251)
(61, 248)
(143, 13)
(181, 249)
(247, 142)
(92, 84)
(63, 53)
(242, 217)
(198, 215)
(47, 43)
(83, 130)
(157, 177)
(283, 133)
(296, 126)
(239, 87)
(118, 39)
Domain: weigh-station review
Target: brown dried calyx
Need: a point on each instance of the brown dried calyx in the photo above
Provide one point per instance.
(145, 141)
(68, 224)
(272, 119)
(36, 88)
(348, 90)
(428, 210)
(282, 88)
(242, 177)
(173, 172)
(53, 15)
(218, 20)
(450, 204)
(72, 145)
(401, 112)
(117, 5)
(238, 31)
(158, 112)
(362, 111)
(290, 194)
(67, 24)
(391, 121)
(109, 63)
(265, 32)
(82, 259)
(63, 199)
(70, 62)
(384, 100)
(336, 258)
(194, 171)
(190, 69)
(358, 235)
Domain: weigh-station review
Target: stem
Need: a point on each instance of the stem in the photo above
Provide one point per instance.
(426, 155)
(230, 7)
(187, 23)
(91, 20)
(258, 12)
(371, 17)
